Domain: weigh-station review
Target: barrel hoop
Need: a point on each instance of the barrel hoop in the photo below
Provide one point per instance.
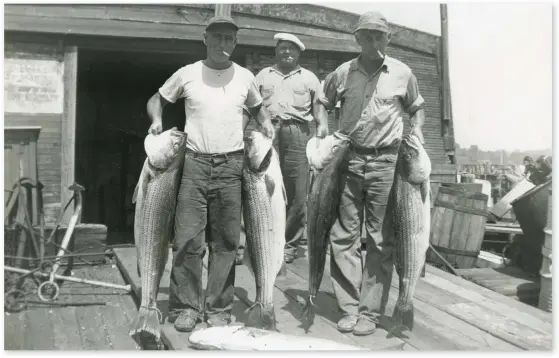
(461, 208)
(463, 193)
(446, 250)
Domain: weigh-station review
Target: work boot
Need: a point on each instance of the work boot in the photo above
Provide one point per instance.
(289, 258)
(217, 320)
(239, 257)
(347, 323)
(186, 321)
(364, 326)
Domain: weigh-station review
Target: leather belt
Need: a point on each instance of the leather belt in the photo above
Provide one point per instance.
(376, 151)
(287, 122)
(215, 155)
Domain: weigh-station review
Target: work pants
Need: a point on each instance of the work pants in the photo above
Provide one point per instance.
(208, 209)
(290, 142)
(362, 288)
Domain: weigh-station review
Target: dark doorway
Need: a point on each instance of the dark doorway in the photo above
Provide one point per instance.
(111, 125)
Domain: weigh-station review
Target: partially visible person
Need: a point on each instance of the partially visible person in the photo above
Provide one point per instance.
(293, 96)
(208, 210)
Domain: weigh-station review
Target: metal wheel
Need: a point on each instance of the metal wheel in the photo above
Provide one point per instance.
(14, 301)
(48, 291)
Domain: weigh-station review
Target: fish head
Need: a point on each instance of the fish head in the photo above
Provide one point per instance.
(162, 149)
(413, 161)
(215, 337)
(258, 151)
(323, 151)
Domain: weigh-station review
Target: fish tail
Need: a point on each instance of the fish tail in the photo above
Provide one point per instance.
(146, 328)
(308, 313)
(283, 269)
(404, 315)
(260, 316)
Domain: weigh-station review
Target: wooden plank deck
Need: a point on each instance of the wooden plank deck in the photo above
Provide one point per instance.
(509, 281)
(451, 313)
(43, 327)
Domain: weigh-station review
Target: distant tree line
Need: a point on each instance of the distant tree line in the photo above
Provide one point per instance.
(474, 155)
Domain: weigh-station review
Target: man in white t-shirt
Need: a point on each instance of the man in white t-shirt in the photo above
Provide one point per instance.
(209, 199)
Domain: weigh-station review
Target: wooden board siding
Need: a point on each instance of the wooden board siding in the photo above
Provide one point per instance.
(48, 146)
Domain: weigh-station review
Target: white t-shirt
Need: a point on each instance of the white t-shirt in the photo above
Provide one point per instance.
(213, 104)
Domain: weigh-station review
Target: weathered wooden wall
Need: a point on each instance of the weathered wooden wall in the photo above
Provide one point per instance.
(34, 96)
(44, 32)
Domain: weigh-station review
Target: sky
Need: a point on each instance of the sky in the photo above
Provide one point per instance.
(500, 59)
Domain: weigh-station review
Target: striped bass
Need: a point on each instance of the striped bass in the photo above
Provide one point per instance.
(328, 160)
(239, 338)
(264, 203)
(155, 197)
(408, 212)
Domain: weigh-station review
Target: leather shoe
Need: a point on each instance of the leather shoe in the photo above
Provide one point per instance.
(347, 323)
(364, 326)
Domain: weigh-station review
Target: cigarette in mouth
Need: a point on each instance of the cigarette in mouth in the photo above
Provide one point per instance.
(226, 54)
(380, 54)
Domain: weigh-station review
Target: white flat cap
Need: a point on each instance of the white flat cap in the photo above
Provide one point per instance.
(289, 37)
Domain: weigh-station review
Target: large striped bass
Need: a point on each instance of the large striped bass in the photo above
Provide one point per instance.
(239, 338)
(155, 197)
(408, 213)
(328, 160)
(264, 209)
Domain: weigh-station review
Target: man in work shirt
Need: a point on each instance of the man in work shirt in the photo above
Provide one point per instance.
(375, 90)
(293, 96)
(209, 199)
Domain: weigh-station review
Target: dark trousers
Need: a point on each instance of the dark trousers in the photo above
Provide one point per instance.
(208, 209)
(290, 142)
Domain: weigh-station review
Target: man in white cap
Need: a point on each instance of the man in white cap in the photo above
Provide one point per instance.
(375, 91)
(293, 96)
(209, 201)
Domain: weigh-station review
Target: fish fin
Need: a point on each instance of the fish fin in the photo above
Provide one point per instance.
(135, 194)
(404, 316)
(308, 313)
(284, 194)
(261, 317)
(146, 328)
(270, 185)
(425, 191)
(283, 269)
(423, 271)
(246, 260)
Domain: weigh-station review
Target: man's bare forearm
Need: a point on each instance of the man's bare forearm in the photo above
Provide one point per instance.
(155, 107)
(418, 119)
(320, 113)
(261, 114)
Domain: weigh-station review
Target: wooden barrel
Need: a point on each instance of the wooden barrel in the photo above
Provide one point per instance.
(457, 226)
(530, 210)
(546, 297)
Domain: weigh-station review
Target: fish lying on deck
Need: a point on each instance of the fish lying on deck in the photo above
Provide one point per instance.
(241, 338)
(155, 197)
(264, 209)
(408, 213)
(328, 160)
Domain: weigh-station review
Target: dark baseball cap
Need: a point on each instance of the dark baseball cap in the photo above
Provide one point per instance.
(372, 20)
(222, 20)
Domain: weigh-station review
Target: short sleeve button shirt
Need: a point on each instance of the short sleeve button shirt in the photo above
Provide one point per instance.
(289, 96)
(372, 106)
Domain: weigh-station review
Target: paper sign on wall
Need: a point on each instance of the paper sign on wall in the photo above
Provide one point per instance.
(33, 86)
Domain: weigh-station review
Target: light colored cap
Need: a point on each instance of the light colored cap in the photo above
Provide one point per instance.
(289, 37)
(372, 20)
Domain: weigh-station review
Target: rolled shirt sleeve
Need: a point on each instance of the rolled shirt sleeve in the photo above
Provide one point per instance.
(173, 88)
(254, 98)
(330, 91)
(413, 100)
